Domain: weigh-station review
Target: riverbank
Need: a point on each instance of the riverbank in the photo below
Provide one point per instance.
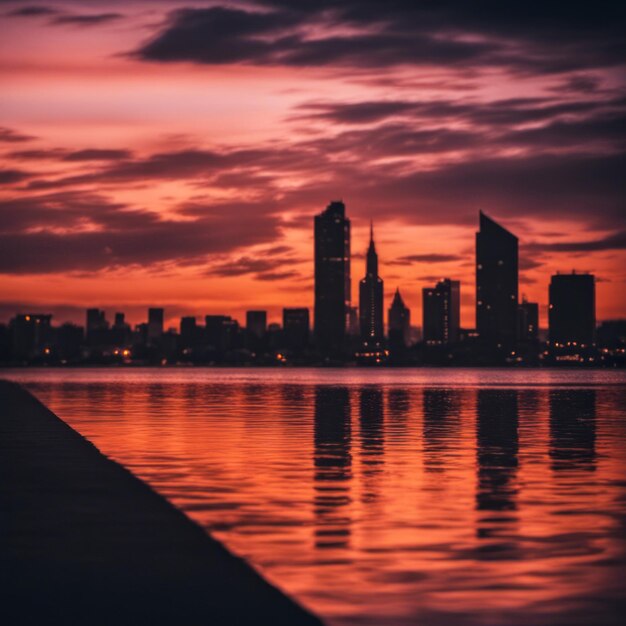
(86, 542)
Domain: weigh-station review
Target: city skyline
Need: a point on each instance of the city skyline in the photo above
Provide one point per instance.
(145, 167)
(332, 236)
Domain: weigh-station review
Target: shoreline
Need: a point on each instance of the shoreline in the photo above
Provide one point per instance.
(87, 542)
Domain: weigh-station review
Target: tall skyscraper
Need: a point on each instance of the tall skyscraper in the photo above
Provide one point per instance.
(155, 324)
(572, 310)
(496, 285)
(442, 312)
(371, 298)
(332, 277)
(399, 321)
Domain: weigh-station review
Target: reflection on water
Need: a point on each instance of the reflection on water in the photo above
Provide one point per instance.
(385, 498)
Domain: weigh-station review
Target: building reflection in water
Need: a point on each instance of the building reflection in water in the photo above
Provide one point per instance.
(333, 466)
(441, 413)
(497, 461)
(398, 410)
(371, 427)
(573, 429)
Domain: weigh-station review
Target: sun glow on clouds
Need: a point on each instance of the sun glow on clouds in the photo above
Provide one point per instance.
(146, 163)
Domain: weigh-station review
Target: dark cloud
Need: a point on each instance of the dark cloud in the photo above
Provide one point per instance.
(425, 258)
(9, 177)
(31, 11)
(546, 37)
(506, 112)
(266, 265)
(11, 136)
(224, 35)
(95, 154)
(86, 20)
(88, 232)
(614, 241)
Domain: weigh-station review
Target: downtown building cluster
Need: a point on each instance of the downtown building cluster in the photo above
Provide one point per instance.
(506, 332)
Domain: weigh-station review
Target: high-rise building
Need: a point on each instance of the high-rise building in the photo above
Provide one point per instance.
(221, 332)
(371, 298)
(496, 285)
(189, 333)
(399, 321)
(256, 323)
(296, 329)
(155, 324)
(572, 310)
(332, 277)
(31, 335)
(97, 328)
(528, 322)
(120, 331)
(442, 312)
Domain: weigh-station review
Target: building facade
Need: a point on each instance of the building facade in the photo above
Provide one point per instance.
(332, 278)
(441, 312)
(496, 286)
(399, 322)
(572, 310)
(371, 299)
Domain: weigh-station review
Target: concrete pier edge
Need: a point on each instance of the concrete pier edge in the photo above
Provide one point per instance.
(84, 541)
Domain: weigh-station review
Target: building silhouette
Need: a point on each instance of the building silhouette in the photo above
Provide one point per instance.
(97, 328)
(528, 322)
(221, 333)
(256, 324)
(296, 329)
(496, 286)
(189, 335)
(332, 278)
(399, 322)
(155, 324)
(371, 299)
(32, 335)
(441, 312)
(572, 310)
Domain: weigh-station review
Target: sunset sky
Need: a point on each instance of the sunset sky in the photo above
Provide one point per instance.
(173, 153)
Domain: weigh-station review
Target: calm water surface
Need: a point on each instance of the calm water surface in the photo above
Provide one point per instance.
(388, 497)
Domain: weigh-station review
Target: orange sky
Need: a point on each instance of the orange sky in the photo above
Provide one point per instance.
(139, 167)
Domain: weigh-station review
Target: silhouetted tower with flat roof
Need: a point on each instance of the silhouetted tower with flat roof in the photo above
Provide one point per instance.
(572, 310)
(155, 324)
(496, 285)
(256, 323)
(442, 312)
(332, 277)
(371, 298)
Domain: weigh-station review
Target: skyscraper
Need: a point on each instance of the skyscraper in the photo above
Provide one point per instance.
(496, 285)
(399, 321)
(155, 324)
(371, 298)
(332, 277)
(572, 310)
(442, 312)
(256, 323)
(97, 328)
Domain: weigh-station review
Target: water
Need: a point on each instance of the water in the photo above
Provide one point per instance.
(389, 497)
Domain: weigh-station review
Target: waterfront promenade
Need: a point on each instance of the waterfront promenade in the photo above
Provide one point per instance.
(83, 541)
